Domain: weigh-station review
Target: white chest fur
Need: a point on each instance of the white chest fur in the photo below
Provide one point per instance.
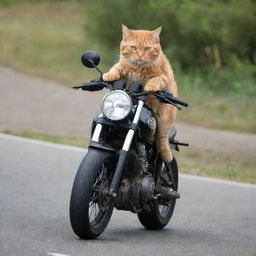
(135, 77)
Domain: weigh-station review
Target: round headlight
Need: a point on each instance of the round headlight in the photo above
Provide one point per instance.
(116, 105)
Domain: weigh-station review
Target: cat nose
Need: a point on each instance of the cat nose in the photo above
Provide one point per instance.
(140, 54)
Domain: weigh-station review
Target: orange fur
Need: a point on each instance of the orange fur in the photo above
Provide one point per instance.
(142, 60)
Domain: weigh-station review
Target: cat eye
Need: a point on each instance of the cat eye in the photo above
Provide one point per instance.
(147, 48)
(133, 47)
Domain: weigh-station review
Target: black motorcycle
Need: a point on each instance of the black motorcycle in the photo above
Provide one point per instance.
(122, 167)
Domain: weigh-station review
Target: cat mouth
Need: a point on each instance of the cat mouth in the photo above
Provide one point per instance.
(139, 62)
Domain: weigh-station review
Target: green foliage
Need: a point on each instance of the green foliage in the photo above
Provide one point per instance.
(211, 45)
(195, 33)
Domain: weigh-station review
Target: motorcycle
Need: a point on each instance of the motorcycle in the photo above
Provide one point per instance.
(122, 168)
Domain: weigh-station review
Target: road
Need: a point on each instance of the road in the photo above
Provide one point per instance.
(212, 217)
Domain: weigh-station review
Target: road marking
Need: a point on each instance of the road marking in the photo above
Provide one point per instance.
(56, 254)
(41, 143)
(78, 149)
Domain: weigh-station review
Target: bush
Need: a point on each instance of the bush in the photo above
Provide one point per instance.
(195, 33)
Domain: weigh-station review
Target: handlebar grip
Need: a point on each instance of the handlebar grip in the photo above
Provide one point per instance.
(166, 97)
(178, 101)
(92, 86)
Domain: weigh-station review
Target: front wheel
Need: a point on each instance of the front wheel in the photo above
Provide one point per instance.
(159, 215)
(90, 208)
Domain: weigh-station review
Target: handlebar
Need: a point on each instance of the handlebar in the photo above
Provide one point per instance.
(163, 96)
(167, 96)
(94, 85)
(180, 102)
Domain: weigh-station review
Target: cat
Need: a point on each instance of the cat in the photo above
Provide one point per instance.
(142, 60)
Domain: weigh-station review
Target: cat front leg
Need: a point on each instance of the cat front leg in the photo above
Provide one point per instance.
(113, 74)
(154, 84)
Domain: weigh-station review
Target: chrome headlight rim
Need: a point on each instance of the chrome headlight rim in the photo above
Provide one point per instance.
(128, 98)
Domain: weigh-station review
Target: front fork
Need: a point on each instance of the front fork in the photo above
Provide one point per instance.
(122, 153)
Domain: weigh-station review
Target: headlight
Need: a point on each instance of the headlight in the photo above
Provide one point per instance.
(116, 105)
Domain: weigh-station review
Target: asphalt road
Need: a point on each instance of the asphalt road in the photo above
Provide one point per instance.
(211, 218)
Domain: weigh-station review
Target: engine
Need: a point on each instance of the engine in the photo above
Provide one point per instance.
(135, 193)
(137, 187)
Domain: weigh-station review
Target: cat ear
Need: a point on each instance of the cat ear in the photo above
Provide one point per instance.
(126, 31)
(156, 32)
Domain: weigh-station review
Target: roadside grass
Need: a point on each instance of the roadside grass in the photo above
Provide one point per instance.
(47, 38)
(221, 109)
(191, 160)
(215, 164)
(73, 141)
(221, 173)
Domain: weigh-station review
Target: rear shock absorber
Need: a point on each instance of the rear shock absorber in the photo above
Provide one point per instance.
(142, 158)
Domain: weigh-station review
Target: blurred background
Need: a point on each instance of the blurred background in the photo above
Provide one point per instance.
(210, 44)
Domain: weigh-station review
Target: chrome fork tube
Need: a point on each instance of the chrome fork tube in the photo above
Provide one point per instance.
(96, 133)
(130, 134)
(124, 153)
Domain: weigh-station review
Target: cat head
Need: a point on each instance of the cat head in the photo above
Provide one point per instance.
(140, 47)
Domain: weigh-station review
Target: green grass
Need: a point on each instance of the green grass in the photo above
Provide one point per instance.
(237, 167)
(74, 141)
(191, 161)
(47, 38)
(44, 39)
(221, 173)
(229, 105)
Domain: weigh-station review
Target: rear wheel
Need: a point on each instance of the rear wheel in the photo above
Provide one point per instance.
(160, 214)
(90, 208)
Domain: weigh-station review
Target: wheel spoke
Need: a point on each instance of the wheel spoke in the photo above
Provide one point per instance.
(95, 188)
(95, 213)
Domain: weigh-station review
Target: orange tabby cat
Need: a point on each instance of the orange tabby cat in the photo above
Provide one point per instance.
(142, 60)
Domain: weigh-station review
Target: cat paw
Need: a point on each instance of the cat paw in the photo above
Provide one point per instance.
(110, 76)
(151, 88)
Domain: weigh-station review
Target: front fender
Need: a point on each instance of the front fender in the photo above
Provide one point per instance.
(98, 145)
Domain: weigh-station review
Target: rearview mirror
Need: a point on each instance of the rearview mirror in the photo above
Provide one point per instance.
(90, 59)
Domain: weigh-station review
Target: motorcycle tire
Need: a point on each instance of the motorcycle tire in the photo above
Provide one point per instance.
(88, 217)
(159, 215)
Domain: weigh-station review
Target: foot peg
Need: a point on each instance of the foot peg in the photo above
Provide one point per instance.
(166, 193)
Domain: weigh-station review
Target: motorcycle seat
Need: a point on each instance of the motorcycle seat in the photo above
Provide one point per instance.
(172, 133)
